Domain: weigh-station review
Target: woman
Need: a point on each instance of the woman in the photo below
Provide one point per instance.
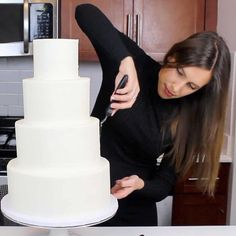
(176, 109)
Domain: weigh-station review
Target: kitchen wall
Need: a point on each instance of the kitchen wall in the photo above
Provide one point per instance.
(226, 27)
(226, 22)
(14, 69)
(232, 182)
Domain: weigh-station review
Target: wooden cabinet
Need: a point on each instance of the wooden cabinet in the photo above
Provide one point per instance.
(118, 12)
(155, 25)
(191, 207)
(159, 24)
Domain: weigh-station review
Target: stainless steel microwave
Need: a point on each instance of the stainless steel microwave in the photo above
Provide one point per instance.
(22, 21)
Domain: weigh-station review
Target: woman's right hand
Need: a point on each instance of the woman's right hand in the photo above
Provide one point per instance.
(126, 96)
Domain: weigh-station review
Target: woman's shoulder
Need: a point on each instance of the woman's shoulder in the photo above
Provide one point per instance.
(137, 52)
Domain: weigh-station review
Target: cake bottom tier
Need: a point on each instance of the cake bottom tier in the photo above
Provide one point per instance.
(55, 193)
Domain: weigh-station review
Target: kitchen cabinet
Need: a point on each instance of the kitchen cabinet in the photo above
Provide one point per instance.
(155, 25)
(118, 11)
(191, 207)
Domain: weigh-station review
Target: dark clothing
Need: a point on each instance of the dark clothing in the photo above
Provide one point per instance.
(132, 139)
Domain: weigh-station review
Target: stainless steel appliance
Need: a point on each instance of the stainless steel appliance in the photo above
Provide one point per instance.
(21, 21)
(7, 153)
(7, 144)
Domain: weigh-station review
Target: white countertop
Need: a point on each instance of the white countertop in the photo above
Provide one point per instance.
(225, 158)
(128, 231)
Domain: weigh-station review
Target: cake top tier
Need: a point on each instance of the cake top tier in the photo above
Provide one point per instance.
(55, 59)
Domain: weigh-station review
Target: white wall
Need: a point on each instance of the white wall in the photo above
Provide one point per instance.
(92, 70)
(231, 217)
(226, 22)
(226, 28)
(14, 69)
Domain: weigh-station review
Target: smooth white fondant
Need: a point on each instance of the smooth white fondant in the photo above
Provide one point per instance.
(55, 59)
(59, 192)
(59, 173)
(56, 100)
(58, 143)
(85, 220)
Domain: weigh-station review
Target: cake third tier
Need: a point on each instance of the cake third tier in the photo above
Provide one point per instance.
(57, 144)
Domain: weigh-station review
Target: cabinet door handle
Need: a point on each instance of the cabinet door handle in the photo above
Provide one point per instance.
(129, 26)
(138, 19)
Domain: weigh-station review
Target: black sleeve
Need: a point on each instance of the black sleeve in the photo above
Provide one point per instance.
(100, 31)
(109, 43)
(111, 47)
(161, 184)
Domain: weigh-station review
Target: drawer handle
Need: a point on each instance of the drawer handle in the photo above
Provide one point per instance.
(195, 178)
(221, 211)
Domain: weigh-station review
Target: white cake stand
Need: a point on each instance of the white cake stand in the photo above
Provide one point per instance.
(58, 227)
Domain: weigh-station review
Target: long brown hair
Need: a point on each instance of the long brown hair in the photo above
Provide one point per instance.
(198, 127)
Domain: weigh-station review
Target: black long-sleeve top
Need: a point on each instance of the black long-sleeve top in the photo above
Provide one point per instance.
(132, 139)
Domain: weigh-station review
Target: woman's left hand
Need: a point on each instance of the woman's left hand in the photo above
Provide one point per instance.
(127, 185)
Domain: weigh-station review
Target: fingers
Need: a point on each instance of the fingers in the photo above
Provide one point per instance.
(127, 181)
(124, 105)
(127, 185)
(123, 101)
(130, 87)
(122, 96)
(125, 97)
(132, 181)
(121, 193)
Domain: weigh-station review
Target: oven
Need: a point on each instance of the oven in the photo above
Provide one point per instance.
(21, 21)
(7, 153)
(7, 144)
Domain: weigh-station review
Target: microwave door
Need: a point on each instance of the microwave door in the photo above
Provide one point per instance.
(14, 28)
(22, 21)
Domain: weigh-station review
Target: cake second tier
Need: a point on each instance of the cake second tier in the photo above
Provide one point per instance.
(56, 100)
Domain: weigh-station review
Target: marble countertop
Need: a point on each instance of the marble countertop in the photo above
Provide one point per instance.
(123, 231)
(225, 158)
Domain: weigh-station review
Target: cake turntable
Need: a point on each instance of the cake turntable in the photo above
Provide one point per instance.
(58, 227)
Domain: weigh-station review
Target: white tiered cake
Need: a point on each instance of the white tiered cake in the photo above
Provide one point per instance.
(58, 176)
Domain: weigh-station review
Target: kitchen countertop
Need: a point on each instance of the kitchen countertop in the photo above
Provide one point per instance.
(129, 231)
(225, 158)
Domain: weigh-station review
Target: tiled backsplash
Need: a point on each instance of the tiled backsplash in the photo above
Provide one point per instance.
(14, 69)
